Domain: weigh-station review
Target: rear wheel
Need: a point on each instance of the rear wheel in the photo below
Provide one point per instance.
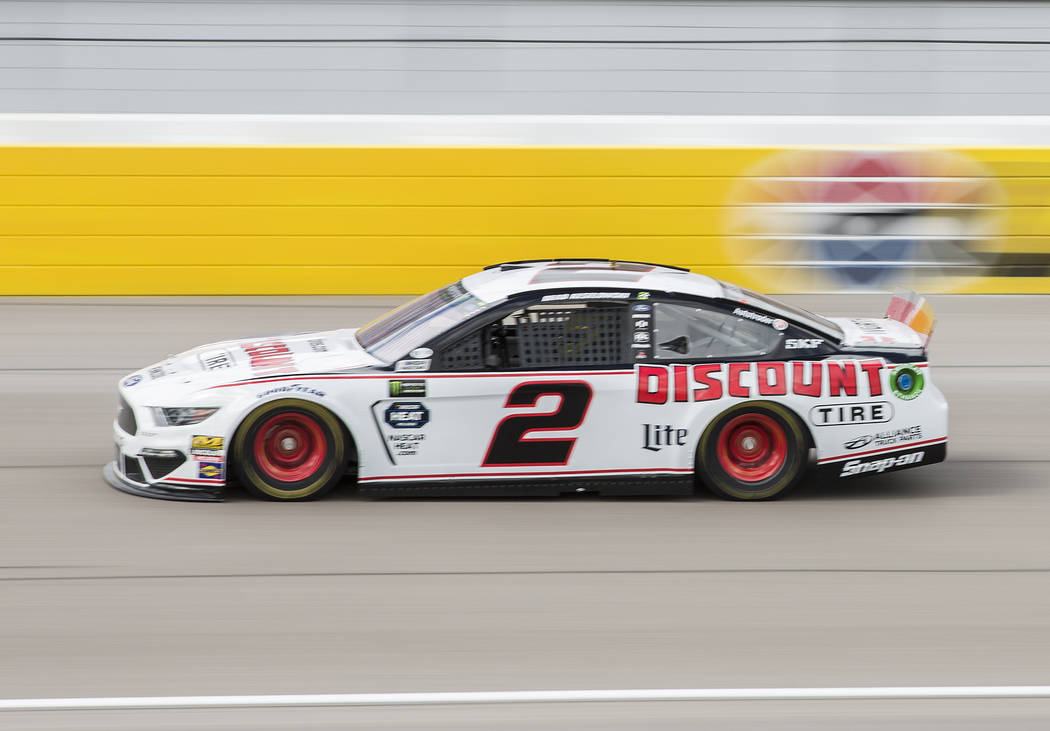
(289, 450)
(752, 452)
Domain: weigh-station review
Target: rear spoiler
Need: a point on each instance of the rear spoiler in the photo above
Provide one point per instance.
(913, 310)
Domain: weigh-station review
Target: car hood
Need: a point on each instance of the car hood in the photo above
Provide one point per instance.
(873, 333)
(237, 360)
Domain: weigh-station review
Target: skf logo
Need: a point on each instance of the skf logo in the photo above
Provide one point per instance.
(205, 442)
(803, 343)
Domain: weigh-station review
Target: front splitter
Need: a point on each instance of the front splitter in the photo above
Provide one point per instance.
(162, 492)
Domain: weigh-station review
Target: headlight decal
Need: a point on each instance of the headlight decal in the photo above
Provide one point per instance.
(181, 415)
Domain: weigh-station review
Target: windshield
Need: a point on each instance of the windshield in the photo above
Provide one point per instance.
(769, 304)
(415, 323)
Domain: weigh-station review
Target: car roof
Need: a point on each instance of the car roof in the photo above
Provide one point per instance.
(500, 281)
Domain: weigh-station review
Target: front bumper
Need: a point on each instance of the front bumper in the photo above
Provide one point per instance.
(162, 491)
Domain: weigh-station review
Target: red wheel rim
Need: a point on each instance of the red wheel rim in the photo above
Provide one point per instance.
(289, 447)
(752, 447)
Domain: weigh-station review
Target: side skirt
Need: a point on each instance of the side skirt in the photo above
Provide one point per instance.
(613, 486)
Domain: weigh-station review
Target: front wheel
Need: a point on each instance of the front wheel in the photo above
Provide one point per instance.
(752, 452)
(289, 450)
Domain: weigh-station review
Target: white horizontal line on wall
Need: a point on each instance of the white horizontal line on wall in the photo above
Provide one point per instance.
(526, 696)
(522, 130)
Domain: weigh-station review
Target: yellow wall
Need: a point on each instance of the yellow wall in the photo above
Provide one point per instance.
(312, 220)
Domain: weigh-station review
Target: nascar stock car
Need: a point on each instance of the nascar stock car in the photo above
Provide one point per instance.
(542, 378)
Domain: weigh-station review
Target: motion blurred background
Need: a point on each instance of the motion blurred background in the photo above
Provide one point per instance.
(247, 152)
(393, 146)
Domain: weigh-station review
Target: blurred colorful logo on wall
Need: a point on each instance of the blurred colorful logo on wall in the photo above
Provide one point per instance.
(832, 220)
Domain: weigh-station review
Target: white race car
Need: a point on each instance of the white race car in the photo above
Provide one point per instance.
(542, 378)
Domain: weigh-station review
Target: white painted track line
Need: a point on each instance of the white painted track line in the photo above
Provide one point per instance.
(527, 696)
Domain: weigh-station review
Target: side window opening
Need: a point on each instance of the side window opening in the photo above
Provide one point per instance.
(687, 332)
(466, 354)
(545, 336)
(576, 335)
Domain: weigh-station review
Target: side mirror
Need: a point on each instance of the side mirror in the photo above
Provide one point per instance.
(678, 345)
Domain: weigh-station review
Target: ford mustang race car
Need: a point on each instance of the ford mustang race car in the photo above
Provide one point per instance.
(542, 378)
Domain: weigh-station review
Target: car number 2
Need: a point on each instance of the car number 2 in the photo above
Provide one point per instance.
(510, 447)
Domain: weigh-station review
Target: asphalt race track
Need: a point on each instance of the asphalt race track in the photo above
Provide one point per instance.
(935, 576)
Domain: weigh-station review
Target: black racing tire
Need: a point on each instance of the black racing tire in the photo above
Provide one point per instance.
(755, 451)
(289, 450)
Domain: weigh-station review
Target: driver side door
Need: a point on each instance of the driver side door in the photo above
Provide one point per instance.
(536, 392)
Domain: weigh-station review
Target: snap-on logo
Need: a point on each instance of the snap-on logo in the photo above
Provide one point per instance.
(860, 467)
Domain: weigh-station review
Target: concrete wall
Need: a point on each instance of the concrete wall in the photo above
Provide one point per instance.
(524, 57)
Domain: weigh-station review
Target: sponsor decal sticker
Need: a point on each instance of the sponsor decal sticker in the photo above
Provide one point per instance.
(858, 442)
(405, 445)
(861, 467)
(419, 364)
(210, 470)
(209, 458)
(570, 296)
(206, 445)
(156, 372)
(318, 345)
(408, 388)
(643, 295)
(657, 436)
(710, 381)
(906, 382)
(642, 308)
(875, 339)
(641, 337)
(874, 412)
(132, 380)
(803, 343)
(293, 388)
(640, 324)
(269, 357)
(775, 322)
(215, 359)
(406, 415)
(885, 438)
(869, 326)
